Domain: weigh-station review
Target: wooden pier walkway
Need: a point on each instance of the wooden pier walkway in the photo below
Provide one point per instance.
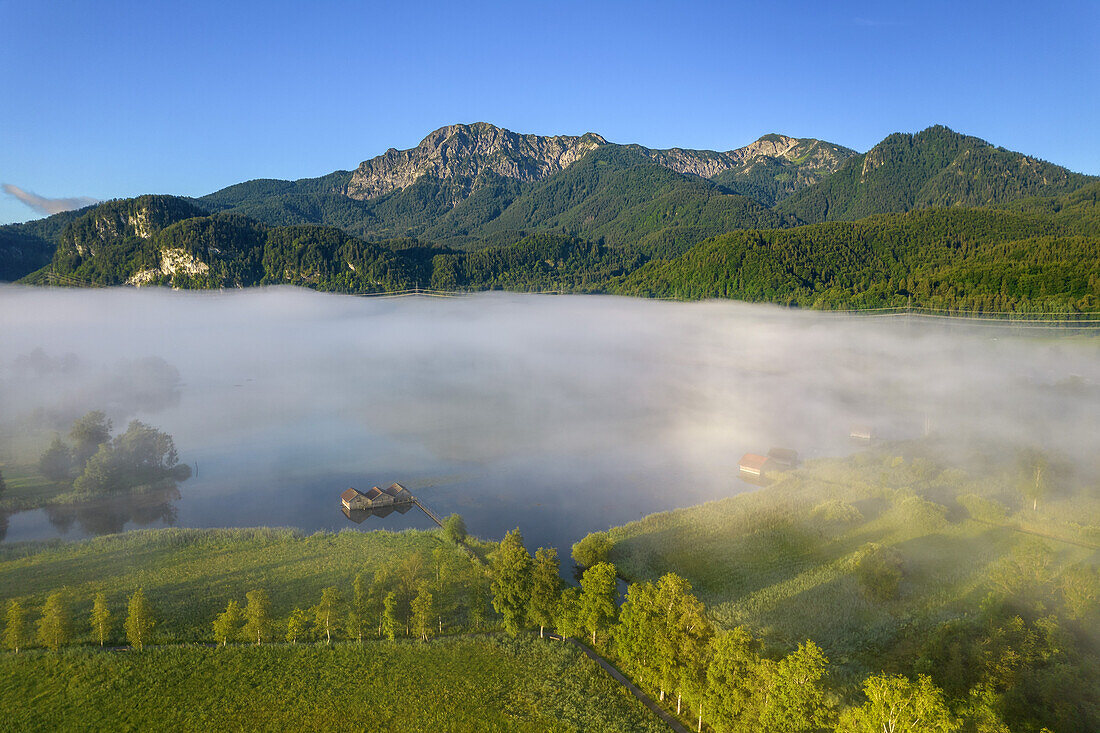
(431, 515)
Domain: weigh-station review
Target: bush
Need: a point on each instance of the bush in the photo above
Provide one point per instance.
(921, 514)
(454, 527)
(836, 511)
(878, 569)
(592, 549)
(979, 507)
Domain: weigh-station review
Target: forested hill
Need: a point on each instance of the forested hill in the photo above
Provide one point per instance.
(1039, 254)
(954, 259)
(933, 168)
(27, 247)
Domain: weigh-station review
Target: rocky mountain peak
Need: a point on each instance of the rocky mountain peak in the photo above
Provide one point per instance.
(466, 151)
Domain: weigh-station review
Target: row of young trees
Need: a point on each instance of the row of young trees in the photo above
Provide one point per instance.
(56, 626)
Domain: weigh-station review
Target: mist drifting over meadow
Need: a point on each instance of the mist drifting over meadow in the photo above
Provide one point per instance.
(564, 414)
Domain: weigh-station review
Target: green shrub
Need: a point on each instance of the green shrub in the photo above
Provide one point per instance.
(836, 511)
(979, 507)
(878, 569)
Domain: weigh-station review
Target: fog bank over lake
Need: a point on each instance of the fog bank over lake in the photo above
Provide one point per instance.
(558, 414)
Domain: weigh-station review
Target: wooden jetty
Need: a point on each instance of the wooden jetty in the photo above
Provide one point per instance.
(383, 501)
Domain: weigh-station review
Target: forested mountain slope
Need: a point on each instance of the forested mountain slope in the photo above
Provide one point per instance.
(957, 259)
(933, 168)
(28, 246)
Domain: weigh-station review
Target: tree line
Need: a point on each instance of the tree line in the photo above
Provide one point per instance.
(97, 464)
(55, 626)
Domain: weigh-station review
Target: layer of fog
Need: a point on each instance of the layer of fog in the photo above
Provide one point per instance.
(569, 412)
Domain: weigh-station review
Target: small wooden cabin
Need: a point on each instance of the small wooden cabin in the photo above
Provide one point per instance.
(398, 493)
(752, 466)
(375, 498)
(353, 499)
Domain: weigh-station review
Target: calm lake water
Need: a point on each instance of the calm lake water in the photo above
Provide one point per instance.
(557, 414)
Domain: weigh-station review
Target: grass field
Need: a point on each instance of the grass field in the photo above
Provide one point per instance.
(485, 683)
(190, 574)
(780, 560)
(27, 488)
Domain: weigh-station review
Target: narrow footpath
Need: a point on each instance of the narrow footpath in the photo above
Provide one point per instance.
(631, 688)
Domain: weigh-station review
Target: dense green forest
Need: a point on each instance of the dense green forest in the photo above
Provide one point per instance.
(957, 259)
(933, 168)
(27, 247)
(1035, 255)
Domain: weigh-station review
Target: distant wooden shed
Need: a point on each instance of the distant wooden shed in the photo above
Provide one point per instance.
(398, 493)
(375, 498)
(752, 465)
(861, 434)
(353, 499)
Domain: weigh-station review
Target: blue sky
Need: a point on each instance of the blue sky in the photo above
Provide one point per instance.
(113, 99)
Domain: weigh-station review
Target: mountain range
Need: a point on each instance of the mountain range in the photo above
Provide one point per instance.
(477, 206)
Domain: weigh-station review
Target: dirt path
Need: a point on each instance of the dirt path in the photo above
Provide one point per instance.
(633, 689)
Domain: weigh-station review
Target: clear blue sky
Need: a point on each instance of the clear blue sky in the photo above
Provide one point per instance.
(111, 99)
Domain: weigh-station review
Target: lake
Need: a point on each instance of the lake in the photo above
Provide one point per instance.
(557, 414)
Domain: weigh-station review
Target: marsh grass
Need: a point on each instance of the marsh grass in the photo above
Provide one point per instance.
(484, 683)
(780, 559)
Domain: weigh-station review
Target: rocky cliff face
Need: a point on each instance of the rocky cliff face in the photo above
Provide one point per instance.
(465, 152)
(461, 153)
(709, 164)
(114, 221)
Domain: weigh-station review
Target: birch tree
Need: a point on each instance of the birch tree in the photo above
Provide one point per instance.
(101, 618)
(512, 582)
(545, 588)
(598, 594)
(257, 613)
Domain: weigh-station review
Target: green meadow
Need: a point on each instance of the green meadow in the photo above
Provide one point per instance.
(486, 683)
